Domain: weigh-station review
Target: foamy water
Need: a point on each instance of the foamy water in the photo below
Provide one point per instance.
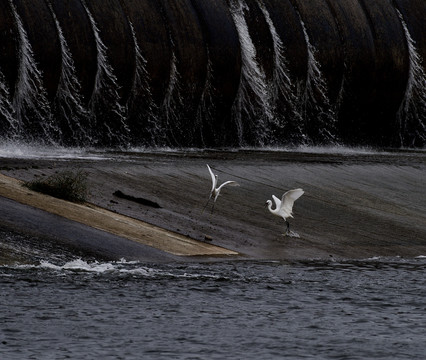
(24, 150)
(16, 150)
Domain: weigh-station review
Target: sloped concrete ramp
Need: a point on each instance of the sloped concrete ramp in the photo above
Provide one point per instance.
(110, 222)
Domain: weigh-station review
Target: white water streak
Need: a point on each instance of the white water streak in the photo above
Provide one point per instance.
(412, 112)
(253, 82)
(281, 86)
(68, 95)
(106, 88)
(30, 94)
(6, 109)
(173, 102)
(315, 93)
(206, 107)
(281, 83)
(172, 88)
(314, 77)
(141, 94)
(141, 74)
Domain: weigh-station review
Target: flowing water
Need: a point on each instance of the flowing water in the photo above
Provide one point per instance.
(73, 118)
(253, 99)
(280, 110)
(33, 116)
(105, 96)
(82, 308)
(316, 108)
(411, 112)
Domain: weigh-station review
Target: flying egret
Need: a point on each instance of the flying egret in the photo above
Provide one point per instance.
(215, 191)
(284, 207)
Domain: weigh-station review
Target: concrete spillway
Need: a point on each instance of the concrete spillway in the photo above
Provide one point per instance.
(213, 73)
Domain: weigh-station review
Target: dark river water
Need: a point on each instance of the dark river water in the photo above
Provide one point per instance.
(68, 307)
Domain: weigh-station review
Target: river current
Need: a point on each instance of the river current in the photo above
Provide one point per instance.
(68, 307)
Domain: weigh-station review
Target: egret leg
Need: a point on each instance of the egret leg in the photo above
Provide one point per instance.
(288, 228)
(204, 208)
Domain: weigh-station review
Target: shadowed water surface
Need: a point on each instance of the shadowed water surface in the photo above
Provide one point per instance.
(78, 308)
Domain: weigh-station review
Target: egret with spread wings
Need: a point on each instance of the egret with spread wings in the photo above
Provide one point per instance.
(284, 207)
(215, 191)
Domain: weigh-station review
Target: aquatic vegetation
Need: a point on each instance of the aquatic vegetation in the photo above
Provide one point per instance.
(68, 185)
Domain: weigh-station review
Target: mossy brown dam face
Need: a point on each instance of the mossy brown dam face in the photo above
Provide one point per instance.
(213, 73)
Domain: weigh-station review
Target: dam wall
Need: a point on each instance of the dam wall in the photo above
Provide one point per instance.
(213, 73)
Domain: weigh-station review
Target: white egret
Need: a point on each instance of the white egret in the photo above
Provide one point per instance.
(215, 191)
(284, 207)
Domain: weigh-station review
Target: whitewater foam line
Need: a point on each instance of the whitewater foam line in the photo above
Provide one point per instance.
(113, 223)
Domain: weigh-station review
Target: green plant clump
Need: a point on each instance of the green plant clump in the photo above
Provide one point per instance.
(67, 185)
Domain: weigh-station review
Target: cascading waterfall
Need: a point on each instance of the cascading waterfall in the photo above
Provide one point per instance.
(74, 119)
(252, 108)
(319, 116)
(412, 112)
(105, 105)
(205, 119)
(143, 113)
(207, 73)
(33, 116)
(288, 120)
(172, 103)
(7, 119)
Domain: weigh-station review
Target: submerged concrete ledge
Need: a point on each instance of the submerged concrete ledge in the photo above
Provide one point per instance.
(111, 222)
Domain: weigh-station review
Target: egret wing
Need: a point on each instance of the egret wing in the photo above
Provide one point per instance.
(289, 198)
(230, 183)
(213, 178)
(277, 202)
